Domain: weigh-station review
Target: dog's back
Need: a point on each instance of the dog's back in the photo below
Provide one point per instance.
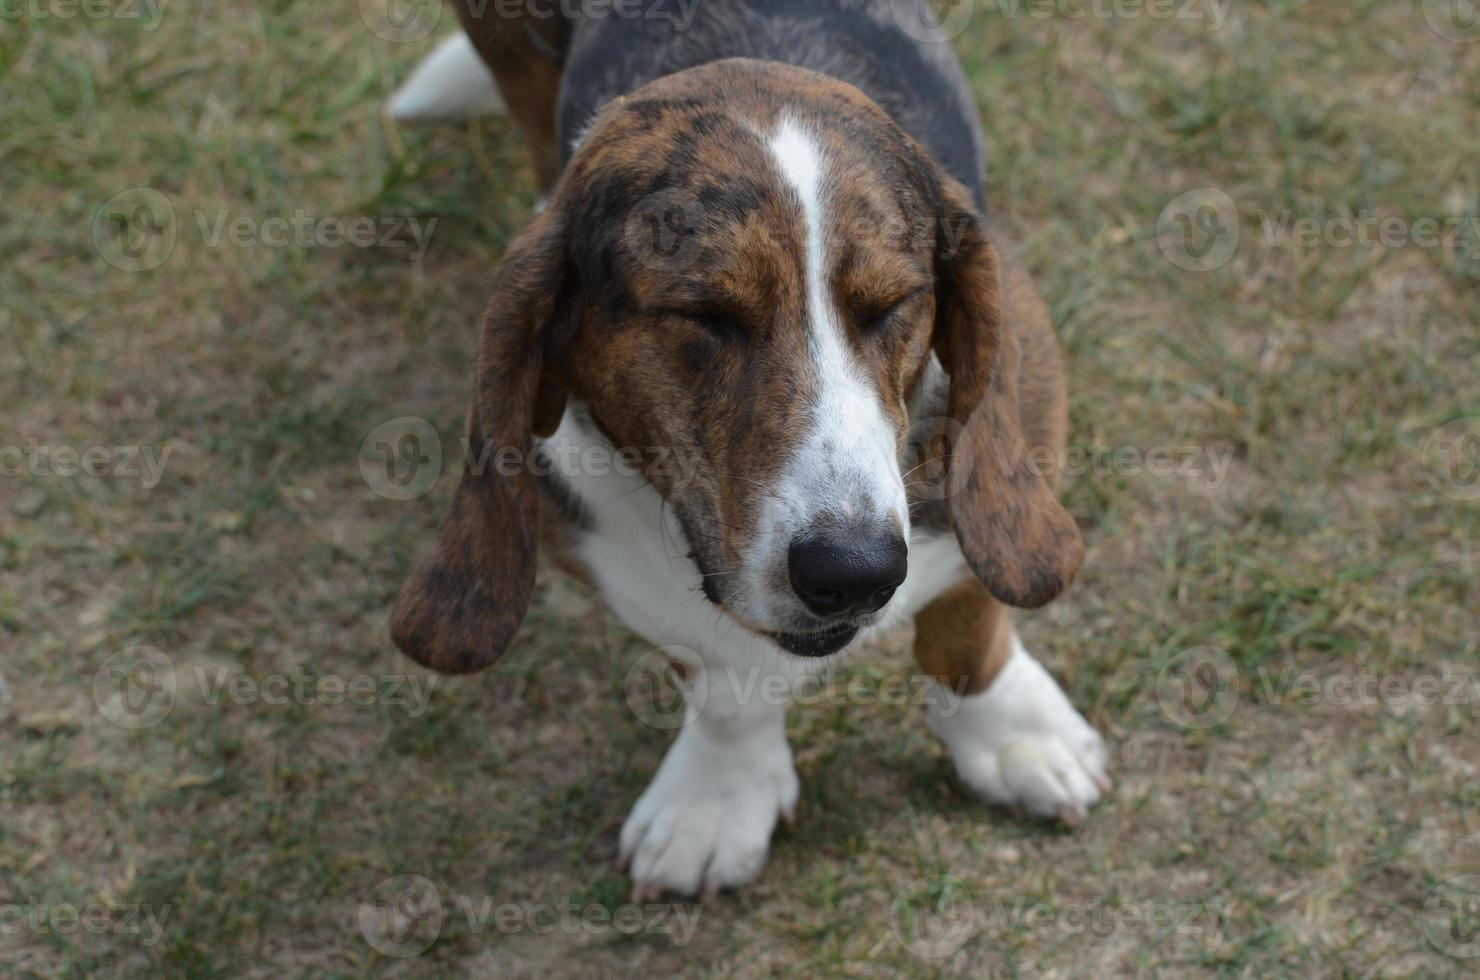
(556, 73)
(890, 49)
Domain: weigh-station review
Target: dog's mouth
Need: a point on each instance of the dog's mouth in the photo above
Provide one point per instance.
(818, 644)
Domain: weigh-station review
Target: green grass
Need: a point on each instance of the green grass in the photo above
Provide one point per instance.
(1298, 836)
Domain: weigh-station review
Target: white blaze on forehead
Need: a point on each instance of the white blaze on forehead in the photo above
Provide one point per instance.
(849, 453)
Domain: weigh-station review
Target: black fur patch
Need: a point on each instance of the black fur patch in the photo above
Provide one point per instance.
(855, 41)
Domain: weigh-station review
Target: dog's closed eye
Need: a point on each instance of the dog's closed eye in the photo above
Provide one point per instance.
(874, 317)
(722, 325)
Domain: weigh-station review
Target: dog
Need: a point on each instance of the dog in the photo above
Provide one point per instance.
(764, 274)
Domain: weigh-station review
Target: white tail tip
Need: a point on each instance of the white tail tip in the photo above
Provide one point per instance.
(451, 81)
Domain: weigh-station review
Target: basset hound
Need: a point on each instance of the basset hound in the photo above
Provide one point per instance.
(763, 278)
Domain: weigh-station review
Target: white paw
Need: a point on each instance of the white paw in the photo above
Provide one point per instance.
(1021, 744)
(705, 822)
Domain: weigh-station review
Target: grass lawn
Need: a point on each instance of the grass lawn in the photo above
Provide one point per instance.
(1255, 223)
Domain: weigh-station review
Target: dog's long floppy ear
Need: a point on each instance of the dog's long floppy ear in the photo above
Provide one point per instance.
(1016, 537)
(464, 604)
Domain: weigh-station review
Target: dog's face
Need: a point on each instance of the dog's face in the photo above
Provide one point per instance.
(743, 273)
(758, 297)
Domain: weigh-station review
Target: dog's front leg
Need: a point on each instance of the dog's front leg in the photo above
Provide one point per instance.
(706, 819)
(1015, 738)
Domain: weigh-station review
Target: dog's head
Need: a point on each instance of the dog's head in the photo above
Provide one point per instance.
(748, 267)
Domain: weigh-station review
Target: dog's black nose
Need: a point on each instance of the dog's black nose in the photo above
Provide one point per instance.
(848, 571)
